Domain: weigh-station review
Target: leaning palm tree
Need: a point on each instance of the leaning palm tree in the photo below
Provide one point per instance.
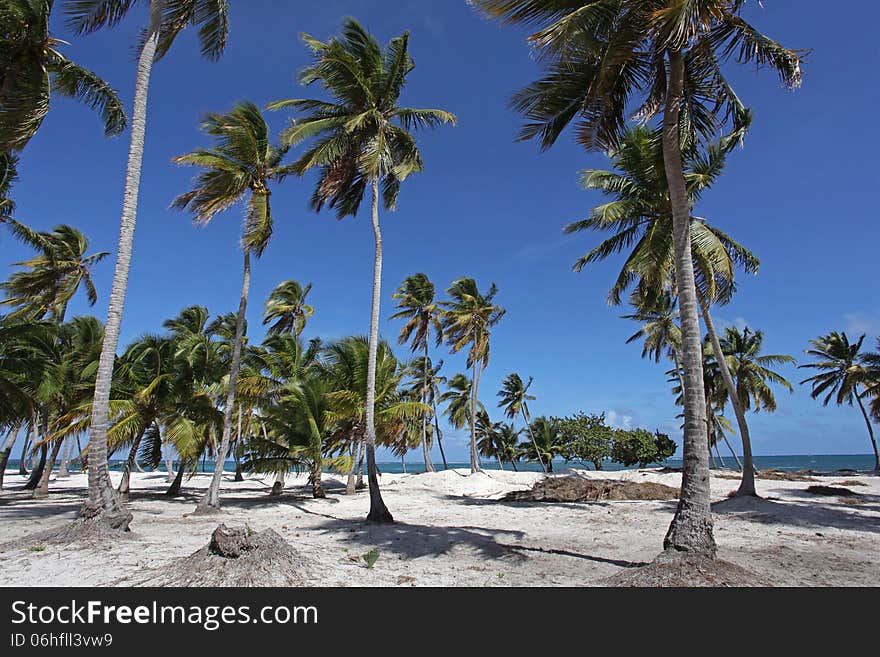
(362, 140)
(286, 308)
(842, 373)
(468, 319)
(515, 401)
(416, 304)
(167, 18)
(664, 58)
(458, 397)
(32, 70)
(241, 165)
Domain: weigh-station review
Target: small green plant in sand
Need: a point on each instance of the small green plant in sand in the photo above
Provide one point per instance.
(38, 548)
(370, 558)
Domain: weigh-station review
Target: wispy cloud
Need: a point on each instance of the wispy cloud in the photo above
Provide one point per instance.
(540, 250)
(860, 322)
(618, 420)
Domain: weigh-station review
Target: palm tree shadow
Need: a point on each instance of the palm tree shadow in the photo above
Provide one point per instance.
(799, 514)
(412, 541)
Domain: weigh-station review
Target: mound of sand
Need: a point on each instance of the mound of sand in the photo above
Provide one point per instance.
(579, 489)
(669, 571)
(236, 557)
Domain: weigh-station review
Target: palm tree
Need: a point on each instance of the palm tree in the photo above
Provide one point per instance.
(32, 69)
(53, 276)
(242, 164)
(658, 315)
(842, 372)
(600, 57)
(871, 361)
(514, 400)
(641, 212)
(346, 365)
(751, 369)
(458, 398)
(487, 437)
(167, 19)
(468, 319)
(548, 442)
(415, 303)
(362, 140)
(287, 308)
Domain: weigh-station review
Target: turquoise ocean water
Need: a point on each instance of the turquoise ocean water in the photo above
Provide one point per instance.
(817, 462)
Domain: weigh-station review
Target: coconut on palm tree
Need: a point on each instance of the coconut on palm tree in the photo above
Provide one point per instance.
(664, 59)
(842, 375)
(239, 168)
(33, 70)
(468, 319)
(515, 397)
(362, 141)
(416, 304)
(167, 18)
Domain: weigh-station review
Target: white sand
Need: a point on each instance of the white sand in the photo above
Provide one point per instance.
(450, 531)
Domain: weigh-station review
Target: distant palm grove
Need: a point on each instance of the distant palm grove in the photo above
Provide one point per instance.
(196, 388)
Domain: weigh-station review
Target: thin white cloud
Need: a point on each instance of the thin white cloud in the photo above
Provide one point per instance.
(859, 322)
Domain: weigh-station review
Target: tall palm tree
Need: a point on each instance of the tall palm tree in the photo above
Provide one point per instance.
(841, 373)
(287, 308)
(641, 213)
(548, 442)
(468, 319)
(241, 165)
(600, 57)
(416, 304)
(514, 400)
(362, 140)
(53, 276)
(32, 69)
(167, 18)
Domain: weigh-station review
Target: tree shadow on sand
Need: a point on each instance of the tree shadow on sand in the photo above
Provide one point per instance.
(812, 512)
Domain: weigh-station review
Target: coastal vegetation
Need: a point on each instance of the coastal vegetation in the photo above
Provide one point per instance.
(201, 386)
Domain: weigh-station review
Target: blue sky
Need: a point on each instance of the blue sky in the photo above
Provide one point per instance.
(490, 208)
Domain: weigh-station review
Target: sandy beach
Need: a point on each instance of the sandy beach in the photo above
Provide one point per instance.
(452, 530)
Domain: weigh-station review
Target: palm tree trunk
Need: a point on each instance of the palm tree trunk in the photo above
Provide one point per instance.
(527, 420)
(475, 463)
(718, 454)
(350, 486)
(125, 484)
(211, 500)
(64, 468)
(735, 457)
(747, 484)
(315, 479)
(378, 511)
(426, 451)
(37, 471)
(278, 484)
(239, 476)
(22, 470)
(691, 528)
(7, 450)
(359, 484)
(169, 464)
(870, 429)
(103, 503)
(42, 489)
(174, 488)
(439, 436)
